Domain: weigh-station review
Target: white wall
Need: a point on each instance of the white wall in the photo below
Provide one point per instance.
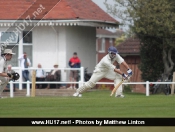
(44, 47)
(57, 44)
(83, 41)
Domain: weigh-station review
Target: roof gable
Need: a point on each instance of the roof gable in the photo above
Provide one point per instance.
(129, 46)
(12, 9)
(54, 9)
(86, 9)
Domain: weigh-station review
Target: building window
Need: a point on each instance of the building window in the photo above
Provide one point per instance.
(28, 49)
(12, 41)
(14, 60)
(27, 44)
(15, 48)
(27, 36)
(9, 37)
(102, 45)
(111, 42)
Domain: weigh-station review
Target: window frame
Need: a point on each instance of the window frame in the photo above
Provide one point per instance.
(102, 45)
(27, 32)
(7, 42)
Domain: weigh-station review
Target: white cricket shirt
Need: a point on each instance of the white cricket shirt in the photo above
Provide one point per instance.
(106, 63)
(3, 64)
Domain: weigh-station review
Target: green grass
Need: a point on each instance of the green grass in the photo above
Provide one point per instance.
(91, 104)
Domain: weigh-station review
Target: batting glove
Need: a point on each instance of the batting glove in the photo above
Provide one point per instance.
(129, 71)
(124, 76)
(9, 75)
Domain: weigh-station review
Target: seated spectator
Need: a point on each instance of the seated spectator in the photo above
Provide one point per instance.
(9, 70)
(54, 76)
(40, 77)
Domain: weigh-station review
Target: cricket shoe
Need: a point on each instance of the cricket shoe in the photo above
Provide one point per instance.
(77, 94)
(120, 96)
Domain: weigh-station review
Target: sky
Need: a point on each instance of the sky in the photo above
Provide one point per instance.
(100, 3)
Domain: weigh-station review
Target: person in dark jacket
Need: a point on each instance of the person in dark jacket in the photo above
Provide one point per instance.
(74, 62)
(54, 76)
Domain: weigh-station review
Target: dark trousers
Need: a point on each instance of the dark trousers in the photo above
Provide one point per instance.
(25, 75)
(52, 79)
(40, 80)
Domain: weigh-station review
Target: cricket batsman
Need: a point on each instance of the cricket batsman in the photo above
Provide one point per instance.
(106, 69)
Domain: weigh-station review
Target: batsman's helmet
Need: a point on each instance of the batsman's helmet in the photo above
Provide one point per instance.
(112, 49)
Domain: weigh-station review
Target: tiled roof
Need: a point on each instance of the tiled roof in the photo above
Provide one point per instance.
(54, 9)
(129, 46)
(104, 32)
(119, 32)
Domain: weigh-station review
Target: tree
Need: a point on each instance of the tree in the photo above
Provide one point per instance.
(153, 22)
(120, 39)
(151, 59)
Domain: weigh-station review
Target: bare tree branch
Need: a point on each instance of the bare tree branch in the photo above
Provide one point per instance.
(170, 60)
(165, 59)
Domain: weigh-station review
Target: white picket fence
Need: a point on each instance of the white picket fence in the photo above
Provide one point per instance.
(81, 82)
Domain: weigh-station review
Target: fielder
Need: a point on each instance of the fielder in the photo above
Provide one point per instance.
(4, 76)
(106, 69)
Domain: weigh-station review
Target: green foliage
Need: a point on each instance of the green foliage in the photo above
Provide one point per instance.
(151, 65)
(153, 22)
(127, 89)
(155, 28)
(155, 18)
(120, 40)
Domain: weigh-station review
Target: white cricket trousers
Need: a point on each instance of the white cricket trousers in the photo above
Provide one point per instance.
(98, 75)
(3, 83)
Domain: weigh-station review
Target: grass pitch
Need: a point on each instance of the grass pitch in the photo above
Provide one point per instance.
(91, 104)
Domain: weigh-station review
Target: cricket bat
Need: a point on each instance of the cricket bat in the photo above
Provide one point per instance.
(115, 89)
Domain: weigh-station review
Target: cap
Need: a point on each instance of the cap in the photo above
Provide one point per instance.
(56, 64)
(8, 51)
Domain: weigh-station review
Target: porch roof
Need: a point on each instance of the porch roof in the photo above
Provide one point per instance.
(90, 23)
(102, 33)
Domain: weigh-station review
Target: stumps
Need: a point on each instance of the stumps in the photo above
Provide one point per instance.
(172, 87)
(33, 82)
